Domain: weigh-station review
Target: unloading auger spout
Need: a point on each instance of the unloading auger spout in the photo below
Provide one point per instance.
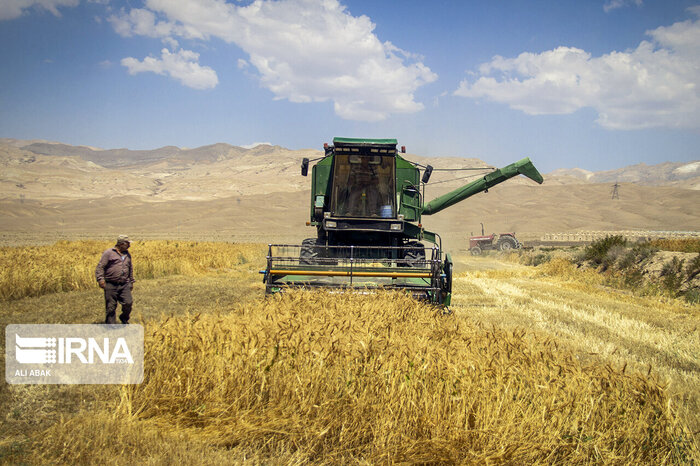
(521, 167)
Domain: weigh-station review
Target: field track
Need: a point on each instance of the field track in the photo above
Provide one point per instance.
(645, 334)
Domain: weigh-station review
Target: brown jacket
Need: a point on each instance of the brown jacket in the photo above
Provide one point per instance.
(112, 268)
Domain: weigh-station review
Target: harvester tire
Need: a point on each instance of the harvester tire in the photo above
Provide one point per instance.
(309, 252)
(476, 251)
(448, 276)
(506, 243)
(415, 256)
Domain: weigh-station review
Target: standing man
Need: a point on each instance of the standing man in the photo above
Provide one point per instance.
(115, 274)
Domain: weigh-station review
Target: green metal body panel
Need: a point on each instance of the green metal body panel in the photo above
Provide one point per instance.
(408, 187)
(320, 184)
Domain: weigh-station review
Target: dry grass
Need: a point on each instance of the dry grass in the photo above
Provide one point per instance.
(369, 379)
(70, 265)
(679, 245)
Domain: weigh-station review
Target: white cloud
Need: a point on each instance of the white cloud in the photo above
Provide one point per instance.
(615, 4)
(655, 85)
(11, 9)
(142, 22)
(182, 65)
(303, 50)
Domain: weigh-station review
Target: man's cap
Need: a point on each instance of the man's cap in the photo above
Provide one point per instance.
(123, 239)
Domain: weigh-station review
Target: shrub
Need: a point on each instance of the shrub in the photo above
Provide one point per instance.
(633, 277)
(693, 268)
(692, 296)
(626, 261)
(537, 259)
(672, 273)
(614, 255)
(597, 251)
(635, 256)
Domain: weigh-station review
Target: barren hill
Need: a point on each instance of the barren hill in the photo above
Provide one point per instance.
(169, 173)
(259, 194)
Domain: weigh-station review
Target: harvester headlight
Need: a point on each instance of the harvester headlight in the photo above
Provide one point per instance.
(396, 226)
(331, 224)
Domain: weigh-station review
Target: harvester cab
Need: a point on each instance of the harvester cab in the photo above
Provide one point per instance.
(367, 207)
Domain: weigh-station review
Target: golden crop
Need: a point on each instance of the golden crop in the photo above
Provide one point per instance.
(328, 378)
(70, 265)
(537, 365)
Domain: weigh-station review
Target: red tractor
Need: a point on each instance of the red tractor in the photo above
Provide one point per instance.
(501, 242)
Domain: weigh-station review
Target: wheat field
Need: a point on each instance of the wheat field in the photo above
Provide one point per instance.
(70, 265)
(535, 365)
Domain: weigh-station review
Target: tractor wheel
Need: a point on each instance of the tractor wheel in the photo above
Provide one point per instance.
(447, 269)
(309, 251)
(506, 243)
(476, 251)
(415, 256)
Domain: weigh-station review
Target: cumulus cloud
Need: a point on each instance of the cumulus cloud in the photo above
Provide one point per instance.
(302, 50)
(182, 65)
(144, 22)
(655, 85)
(11, 9)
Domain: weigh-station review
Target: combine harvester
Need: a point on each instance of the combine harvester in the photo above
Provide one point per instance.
(366, 206)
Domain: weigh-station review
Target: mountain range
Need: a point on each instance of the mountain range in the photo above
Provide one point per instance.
(49, 170)
(258, 192)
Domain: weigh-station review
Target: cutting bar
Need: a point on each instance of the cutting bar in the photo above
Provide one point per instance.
(349, 273)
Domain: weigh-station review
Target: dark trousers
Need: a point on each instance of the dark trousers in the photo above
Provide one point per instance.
(117, 293)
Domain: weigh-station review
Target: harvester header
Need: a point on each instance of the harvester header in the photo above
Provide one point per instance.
(367, 202)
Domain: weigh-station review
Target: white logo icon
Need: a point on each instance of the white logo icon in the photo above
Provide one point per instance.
(73, 353)
(34, 350)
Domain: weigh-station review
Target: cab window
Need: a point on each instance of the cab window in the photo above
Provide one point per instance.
(363, 186)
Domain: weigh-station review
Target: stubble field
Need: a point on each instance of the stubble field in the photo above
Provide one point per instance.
(534, 365)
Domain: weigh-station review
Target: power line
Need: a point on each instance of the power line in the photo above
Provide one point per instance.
(454, 179)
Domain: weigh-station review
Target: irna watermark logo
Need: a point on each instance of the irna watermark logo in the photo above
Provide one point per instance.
(74, 354)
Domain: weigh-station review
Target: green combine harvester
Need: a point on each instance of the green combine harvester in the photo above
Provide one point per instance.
(366, 206)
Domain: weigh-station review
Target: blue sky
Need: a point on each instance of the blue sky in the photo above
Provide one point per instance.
(590, 84)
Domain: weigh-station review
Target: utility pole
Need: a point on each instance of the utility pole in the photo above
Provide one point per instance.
(615, 193)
